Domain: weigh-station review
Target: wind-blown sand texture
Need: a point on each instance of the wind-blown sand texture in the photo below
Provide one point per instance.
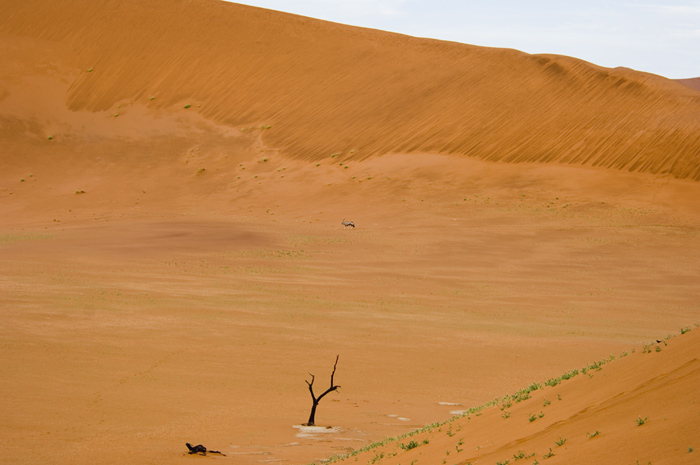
(327, 87)
(174, 175)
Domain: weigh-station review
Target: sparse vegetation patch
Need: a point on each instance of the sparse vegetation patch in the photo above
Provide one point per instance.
(503, 403)
(413, 444)
(520, 455)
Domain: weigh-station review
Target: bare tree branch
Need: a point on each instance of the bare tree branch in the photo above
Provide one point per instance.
(332, 388)
(311, 387)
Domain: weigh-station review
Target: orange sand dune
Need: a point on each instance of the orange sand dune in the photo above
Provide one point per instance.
(640, 409)
(693, 83)
(327, 88)
(172, 274)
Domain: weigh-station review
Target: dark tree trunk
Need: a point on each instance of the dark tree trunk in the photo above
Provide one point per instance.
(312, 416)
(316, 400)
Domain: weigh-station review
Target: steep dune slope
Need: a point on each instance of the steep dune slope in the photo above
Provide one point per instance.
(329, 88)
(639, 409)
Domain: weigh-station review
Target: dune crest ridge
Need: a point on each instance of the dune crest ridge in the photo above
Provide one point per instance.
(693, 83)
(327, 88)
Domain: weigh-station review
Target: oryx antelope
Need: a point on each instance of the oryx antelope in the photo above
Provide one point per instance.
(347, 224)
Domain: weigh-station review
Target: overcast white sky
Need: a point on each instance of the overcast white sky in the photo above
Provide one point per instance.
(661, 37)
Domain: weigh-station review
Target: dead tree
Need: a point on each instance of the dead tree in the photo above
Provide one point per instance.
(200, 449)
(316, 400)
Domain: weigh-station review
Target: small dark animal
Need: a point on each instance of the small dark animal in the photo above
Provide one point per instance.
(200, 449)
(347, 224)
